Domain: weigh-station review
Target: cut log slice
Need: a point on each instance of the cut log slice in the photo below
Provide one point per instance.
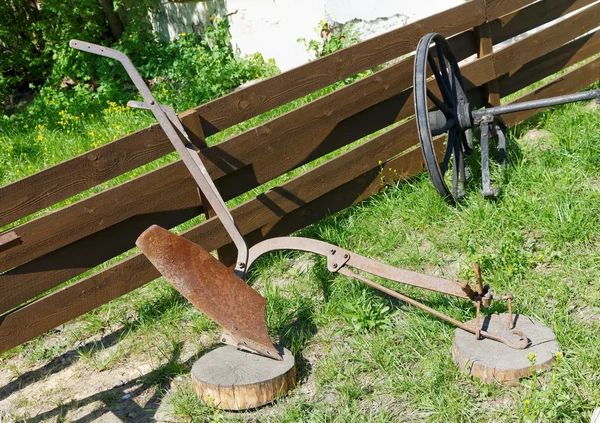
(492, 361)
(231, 379)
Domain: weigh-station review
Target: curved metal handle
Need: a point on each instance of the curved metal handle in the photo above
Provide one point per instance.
(185, 148)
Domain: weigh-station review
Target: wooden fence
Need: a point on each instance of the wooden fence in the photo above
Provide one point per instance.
(58, 246)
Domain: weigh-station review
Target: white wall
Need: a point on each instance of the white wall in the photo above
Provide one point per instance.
(272, 27)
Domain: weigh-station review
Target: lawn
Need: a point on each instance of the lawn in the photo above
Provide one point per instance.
(360, 355)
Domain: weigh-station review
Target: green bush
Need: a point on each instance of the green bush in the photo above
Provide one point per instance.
(183, 73)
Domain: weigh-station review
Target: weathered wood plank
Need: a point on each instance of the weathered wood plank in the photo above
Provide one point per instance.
(281, 89)
(263, 212)
(568, 83)
(491, 89)
(170, 206)
(568, 55)
(61, 181)
(496, 8)
(546, 40)
(73, 176)
(255, 157)
(532, 16)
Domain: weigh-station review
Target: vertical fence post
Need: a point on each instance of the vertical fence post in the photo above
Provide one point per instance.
(485, 42)
(191, 122)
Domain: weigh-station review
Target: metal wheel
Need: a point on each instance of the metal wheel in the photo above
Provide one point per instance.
(450, 115)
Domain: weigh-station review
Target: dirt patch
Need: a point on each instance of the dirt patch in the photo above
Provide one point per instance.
(539, 138)
(80, 384)
(585, 313)
(592, 105)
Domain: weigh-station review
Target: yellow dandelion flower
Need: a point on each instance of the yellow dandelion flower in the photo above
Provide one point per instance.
(218, 20)
(120, 42)
(130, 35)
(183, 34)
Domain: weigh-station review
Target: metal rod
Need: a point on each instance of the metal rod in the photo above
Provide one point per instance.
(535, 104)
(185, 149)
(522, 344)
(432, 283)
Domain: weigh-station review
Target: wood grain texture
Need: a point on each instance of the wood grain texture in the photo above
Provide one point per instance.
(243, 162)
(73, 176)
(9, 240)
(251, 101)
(496, 8)
(230, 379)
(493, 362)
(486, 47)
(56, 183)
(532, 16)
(568, 55)
(545, 41)
(169, 205)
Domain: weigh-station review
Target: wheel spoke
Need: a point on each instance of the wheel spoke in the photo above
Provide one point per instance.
(440, 81)
(438, 103)
(448, 154)
(443, 67)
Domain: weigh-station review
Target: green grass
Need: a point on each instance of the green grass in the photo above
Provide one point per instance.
(360, 355)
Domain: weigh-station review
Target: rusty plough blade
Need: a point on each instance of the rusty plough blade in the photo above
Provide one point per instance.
(211, 287)
(223, 295)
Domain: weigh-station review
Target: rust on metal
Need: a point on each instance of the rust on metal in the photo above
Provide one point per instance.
(211, 287)
(226, 298)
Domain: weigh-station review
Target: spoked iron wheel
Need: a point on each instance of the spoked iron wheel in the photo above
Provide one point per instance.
(448, 98)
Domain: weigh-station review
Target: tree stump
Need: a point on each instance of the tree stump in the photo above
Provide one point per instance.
(491, 361)
(231, 379)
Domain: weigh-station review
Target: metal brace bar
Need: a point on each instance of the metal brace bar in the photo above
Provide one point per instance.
(183, 146)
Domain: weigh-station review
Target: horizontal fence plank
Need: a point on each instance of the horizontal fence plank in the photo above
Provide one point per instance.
(73, 176)
(261, 212)
(532, 16)
(496, 8)
(250, 159)
(546, 40)
(568, 55)
(56, 183)
(568, 83)
(209, 234)
(281, 89)
(170, 205)
(78, 298)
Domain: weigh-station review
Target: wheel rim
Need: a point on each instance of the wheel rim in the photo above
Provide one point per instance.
(434, 50)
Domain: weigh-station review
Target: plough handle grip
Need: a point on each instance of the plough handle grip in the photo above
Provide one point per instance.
(185, 148)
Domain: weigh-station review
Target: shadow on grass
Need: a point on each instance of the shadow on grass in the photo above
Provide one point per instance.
(152, 312)
(120, 400)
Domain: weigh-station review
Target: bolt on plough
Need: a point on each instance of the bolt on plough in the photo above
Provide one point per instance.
(224, 296)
